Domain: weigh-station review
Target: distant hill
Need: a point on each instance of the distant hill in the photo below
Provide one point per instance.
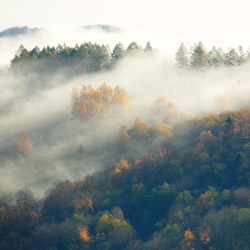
(17, 31)
(102, 27)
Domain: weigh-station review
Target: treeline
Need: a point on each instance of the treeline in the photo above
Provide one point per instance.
(174, 188)
(87, 57)
(91, 57)
(198, 57)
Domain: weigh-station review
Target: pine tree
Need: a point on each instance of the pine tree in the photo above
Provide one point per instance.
(118, 52)
(22, 55)
(133, 48)
(231, 58)
(199, 57)
(241, 56)
(181, 57)
(215, 57)
(148, 47)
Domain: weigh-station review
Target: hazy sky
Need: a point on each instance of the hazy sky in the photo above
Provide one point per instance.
(187, 19)
(165, 23)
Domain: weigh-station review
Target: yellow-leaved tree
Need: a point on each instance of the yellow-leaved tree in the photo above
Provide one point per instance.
(84, 234)
(93, 104)
(188, 242)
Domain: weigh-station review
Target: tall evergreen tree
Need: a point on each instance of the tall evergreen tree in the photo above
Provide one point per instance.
(241, 56)
(148, 47)
(215, 57)
(133, 48)
(118, 52)
(231, 58)
(22, 55)
(199, 57)
(181, 57)
(105, 57)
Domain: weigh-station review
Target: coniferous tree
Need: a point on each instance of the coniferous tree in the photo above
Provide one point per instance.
(199, 57)
(181, 57)
(241, 56)
(133, 48)
(231, 58)
(148, 47)
(22, 55)
(215, 57)
(118, 52)
(105, 57)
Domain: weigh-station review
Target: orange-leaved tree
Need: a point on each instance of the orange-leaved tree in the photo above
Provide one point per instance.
(84, 234)
(188, 242)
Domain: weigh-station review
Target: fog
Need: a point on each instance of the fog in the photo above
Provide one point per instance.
(68, 149)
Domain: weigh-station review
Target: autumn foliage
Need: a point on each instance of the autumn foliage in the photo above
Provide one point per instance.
(93, 104)
(188, 240)
(205, 236)
(182, 187)
(84, 234)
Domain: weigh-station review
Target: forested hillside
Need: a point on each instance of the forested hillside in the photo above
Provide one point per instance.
(184, 186)
(124, 125)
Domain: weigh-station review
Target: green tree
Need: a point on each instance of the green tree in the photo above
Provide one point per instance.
(199, 57)
(215, 57)
(231, 58)
(185, 198)
(148, 47)
(133, 48)
(118, 53)
(241, 56)
(181, 57)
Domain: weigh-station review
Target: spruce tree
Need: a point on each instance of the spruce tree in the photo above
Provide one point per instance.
(181, 57)
(241, 56)
(133, 48)
(215, 57)
(118, 52)
(148, 47)
(231, 58)
(199, 57)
